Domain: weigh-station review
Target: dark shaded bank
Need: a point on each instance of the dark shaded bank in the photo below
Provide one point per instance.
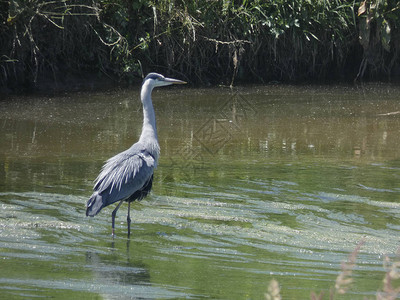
(79, 42)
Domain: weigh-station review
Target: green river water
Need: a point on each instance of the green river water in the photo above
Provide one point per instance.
(253, 184)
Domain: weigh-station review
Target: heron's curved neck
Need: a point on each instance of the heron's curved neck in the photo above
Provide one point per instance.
(149, 129)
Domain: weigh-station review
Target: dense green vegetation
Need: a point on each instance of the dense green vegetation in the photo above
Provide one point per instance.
(202, 41)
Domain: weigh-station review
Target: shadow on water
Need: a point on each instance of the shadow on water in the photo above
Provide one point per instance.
(269, 182)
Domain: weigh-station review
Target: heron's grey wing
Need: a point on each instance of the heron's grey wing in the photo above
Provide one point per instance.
(121, 176)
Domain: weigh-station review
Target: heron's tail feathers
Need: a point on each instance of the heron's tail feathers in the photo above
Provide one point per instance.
(94, 204)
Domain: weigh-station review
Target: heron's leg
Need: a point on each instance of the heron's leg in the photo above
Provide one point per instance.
(128, 219)
(113, 216)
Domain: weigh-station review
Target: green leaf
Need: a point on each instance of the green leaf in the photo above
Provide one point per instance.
(363, 8)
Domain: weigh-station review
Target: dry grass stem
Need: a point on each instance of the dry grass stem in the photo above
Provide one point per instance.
(273, 292)
(389, 292)
(344, 279)
(314, 296)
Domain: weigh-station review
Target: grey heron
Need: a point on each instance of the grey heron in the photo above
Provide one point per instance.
(128, 176)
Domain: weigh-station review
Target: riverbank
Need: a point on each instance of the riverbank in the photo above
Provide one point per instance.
(207, 43)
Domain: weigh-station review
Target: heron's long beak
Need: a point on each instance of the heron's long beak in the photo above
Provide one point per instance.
(174, 81)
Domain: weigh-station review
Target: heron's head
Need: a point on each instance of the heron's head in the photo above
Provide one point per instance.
(155, 80)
